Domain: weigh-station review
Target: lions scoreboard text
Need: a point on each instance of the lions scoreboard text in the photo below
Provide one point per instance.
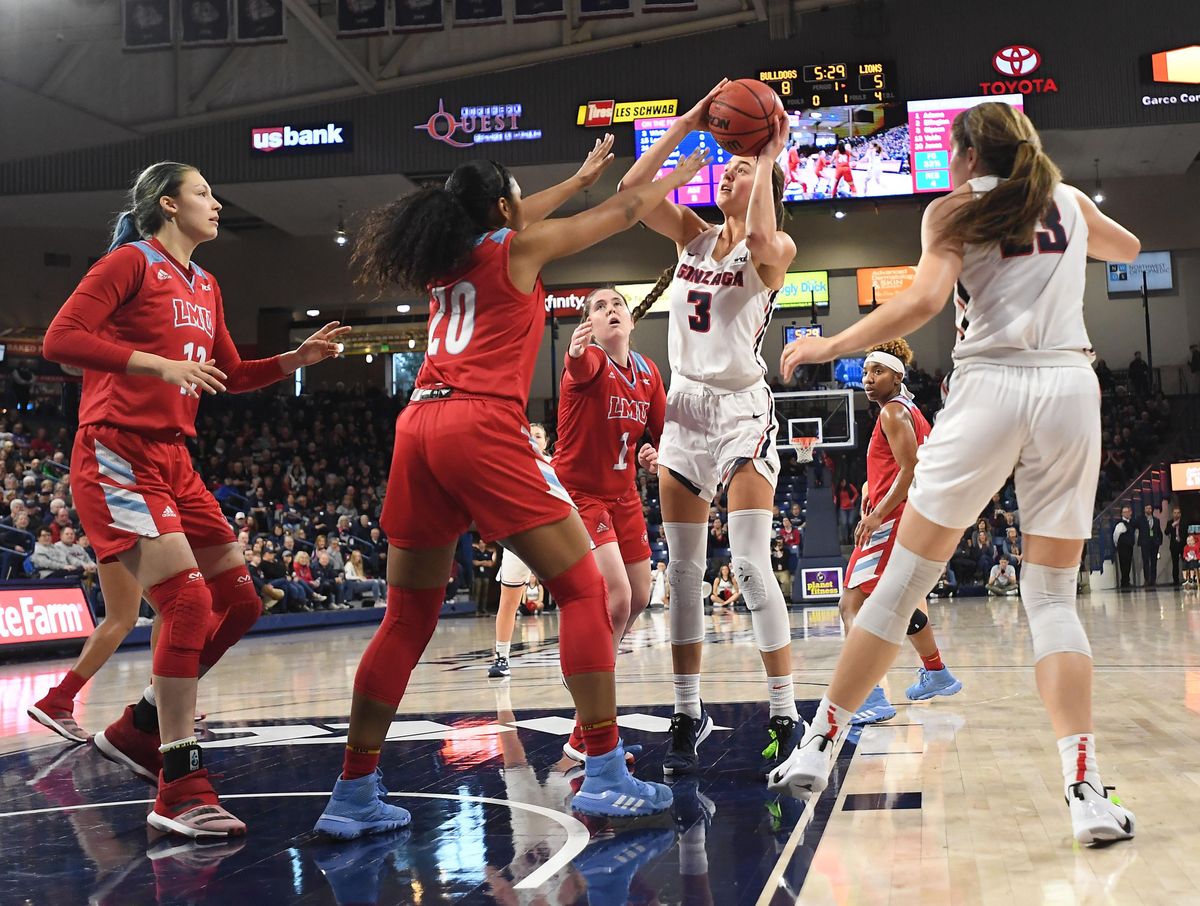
(833, 84)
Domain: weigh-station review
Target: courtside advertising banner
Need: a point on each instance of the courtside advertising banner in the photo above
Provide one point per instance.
(43, 614)
(822, 584)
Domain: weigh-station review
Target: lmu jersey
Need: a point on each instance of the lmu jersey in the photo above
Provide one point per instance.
(719, 312)
(601, 423)
(882, 468)
(1023, 305)
(484, 333)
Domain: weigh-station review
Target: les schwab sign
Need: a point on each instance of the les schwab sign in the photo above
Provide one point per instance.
(43, 615)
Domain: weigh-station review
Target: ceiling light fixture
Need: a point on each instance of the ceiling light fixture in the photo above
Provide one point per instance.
(370, 358)
(404, 309)
(313, 312)
(1098, 193)
(839, 214)
(412, 344)
(339, 235)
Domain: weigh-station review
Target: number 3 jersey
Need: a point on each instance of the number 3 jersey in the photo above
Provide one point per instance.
(719, 312)
(603, 412)
(139, 298)
(484, 333)
(1023, 305)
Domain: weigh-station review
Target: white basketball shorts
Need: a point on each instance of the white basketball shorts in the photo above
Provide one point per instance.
(1040, 424)
(707, 434)
(513, 571)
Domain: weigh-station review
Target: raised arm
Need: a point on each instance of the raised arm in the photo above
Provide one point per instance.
(1107, 239)
(539, 206)
(771, 249)
(678, 223)
(539, 244)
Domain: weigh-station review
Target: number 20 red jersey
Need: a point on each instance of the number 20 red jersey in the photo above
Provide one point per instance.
(602, 416)
(484, 333)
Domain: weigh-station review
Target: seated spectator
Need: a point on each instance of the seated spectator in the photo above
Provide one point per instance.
(1011, 547)
(329, 580)
(946, 586)
(725, 591)
(275, 572)
(535, 597)
(50, 560)
(77, 558)
(358, 583)
(268, 594)
(781, 565)
(62, 519)
(985, 553)
(718, 538)
(302, 572)
(1003, 579)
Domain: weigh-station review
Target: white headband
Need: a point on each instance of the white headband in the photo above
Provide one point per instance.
(887, 360)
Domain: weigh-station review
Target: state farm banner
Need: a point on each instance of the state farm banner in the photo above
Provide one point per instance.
(43, 613)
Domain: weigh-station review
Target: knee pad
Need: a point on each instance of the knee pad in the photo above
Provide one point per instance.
(687, 610)
(585, 638)
(1048, 594)
(513, 571)
(905, 583)
(917, 622)
(236, 607)
(185, 605)
(408, 625)
(764, 600)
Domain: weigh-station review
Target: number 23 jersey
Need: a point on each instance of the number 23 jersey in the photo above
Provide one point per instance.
(719, 312)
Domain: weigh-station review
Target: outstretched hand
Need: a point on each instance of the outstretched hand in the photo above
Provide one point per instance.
(780, 129)
(321, 345)
(697, 117)
(597, 161)
(804, 351)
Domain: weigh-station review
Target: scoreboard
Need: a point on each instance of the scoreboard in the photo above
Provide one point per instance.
(833, 84)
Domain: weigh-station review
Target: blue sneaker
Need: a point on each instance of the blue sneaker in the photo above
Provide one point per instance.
(357, 808)
(875, 709)
(932, 682)
(610, 791)
(686, 735)
(354, 870)
(610, 862)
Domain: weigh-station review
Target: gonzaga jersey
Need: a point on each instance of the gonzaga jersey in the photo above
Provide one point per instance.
(882, 468)
(484, 333)
(1023, 305)
(601, 423)
(719, 312)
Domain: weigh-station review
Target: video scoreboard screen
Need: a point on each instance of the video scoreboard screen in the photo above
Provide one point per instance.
(833, 84)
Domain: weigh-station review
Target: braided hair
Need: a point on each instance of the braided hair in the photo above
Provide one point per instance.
(656, 291)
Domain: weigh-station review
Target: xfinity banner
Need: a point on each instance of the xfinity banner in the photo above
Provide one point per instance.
(310, 138)
(43, 614)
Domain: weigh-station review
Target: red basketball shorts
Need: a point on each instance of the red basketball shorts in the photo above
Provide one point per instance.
(126, 487)
(870, 558)
(467, 459)
(617, 520)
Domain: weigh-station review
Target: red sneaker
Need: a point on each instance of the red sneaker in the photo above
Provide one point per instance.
(60, 718)
(125, 744)
(574, 748)
(189, 806)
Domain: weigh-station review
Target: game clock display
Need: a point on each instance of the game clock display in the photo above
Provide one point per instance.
(833, 84)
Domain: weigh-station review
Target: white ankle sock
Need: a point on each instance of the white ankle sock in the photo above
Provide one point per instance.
(148, 695)
(687, 694)
(782, 692)
(1078, 754)
(503, 648)
(830, 721)
(693, 856)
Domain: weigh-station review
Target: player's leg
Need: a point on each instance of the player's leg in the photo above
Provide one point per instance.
(876, 708)
(616, 579)
(513, 575)
(933, 676)
(122, 598)
(637, 574)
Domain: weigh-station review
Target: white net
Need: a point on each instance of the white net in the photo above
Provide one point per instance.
(804, 448)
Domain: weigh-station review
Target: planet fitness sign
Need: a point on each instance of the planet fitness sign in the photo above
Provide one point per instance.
(43, 614)
(821, 584)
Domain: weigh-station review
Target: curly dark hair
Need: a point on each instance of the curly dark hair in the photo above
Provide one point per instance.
(898, 347)
(428, 234)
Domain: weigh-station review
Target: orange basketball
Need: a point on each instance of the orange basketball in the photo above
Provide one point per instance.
(740, 117)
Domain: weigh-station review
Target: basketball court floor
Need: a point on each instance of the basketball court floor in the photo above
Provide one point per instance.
(955, 801)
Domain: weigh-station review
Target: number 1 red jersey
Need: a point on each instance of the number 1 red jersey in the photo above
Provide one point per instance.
(484, 333)
(603, 412)
(881, 463)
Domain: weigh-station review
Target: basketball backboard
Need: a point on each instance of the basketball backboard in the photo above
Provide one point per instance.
(825, 414)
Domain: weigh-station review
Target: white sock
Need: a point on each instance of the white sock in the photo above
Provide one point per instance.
(782, 692)
(830, 722)
(693, 856)
(503, 648)
(148, 695)
(503, 697)
(687, 694)
(1078, 755)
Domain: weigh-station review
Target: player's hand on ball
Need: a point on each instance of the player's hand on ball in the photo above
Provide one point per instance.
(193, 376)
(866, 527)
(648, 458)
(779, 136)
(580, 339)
(696, 117)
(689, 166)
(322, 345)
(804, 351)
(597, 161)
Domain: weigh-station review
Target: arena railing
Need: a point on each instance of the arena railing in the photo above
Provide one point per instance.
(1150, 486)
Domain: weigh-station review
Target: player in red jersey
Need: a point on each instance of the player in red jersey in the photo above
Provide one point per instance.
(148, 327)
(611, 397)
(793, 168)
(891, 459)
(479, 249)
(841, 169)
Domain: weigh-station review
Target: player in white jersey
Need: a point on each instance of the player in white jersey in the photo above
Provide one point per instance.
(513, 576)
(720, 425)
(1012, 240)
(874, 170)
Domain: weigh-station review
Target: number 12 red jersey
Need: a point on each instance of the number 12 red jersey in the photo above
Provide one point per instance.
(603, 412)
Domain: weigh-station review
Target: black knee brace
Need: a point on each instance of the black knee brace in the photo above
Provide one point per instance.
(918, 622)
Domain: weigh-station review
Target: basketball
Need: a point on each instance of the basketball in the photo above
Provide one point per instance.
(740, 117)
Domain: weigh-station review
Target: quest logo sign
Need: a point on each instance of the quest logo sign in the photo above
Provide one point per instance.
(320, 138)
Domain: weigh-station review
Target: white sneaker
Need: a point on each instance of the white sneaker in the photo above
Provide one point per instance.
(1096, 818)
(806, 770)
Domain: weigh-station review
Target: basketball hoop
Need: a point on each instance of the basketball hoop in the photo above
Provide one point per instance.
(804, 448)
